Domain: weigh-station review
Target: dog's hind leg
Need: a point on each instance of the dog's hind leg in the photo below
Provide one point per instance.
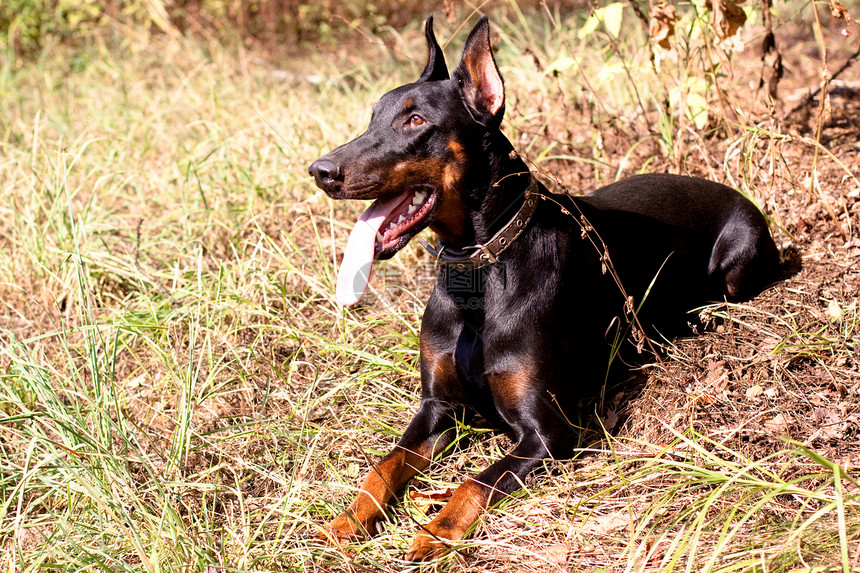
(744, 259)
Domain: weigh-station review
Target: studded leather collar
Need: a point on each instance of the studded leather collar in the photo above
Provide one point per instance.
(477, 256)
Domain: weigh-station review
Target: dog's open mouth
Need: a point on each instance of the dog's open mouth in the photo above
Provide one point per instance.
(403, 222)
(383, 229)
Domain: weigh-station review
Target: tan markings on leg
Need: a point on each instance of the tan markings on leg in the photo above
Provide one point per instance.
(439, 369)
(439, 365)
(379, 486)
(465, 507)
(512, 388)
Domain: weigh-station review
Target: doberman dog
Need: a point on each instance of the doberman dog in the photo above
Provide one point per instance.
(534, 289)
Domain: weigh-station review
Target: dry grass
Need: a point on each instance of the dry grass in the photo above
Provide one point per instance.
(178, 388)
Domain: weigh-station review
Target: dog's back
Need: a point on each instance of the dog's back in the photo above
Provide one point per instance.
(743, 258)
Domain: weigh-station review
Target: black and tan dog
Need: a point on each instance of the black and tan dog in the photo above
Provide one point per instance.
(534, 287)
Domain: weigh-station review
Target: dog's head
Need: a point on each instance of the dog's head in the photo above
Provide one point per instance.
(414, 158)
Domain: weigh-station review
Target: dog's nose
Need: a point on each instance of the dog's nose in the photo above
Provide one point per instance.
(326, 173)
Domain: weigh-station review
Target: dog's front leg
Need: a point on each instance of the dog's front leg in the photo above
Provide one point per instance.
(429, 432)
(477, 494)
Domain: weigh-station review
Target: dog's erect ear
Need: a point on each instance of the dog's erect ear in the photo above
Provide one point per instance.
(436, 69)
(479, 78)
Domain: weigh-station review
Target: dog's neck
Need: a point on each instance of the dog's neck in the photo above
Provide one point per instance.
(504, 190)
(493, 193)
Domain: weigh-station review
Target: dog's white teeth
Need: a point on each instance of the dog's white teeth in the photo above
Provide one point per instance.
(412, 209)
(419, 197)
(401, 219)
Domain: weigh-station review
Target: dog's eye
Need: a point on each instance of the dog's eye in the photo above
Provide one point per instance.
(416, 120)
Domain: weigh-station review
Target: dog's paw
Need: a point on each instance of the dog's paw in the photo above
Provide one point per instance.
(427, 548)
(345, 530)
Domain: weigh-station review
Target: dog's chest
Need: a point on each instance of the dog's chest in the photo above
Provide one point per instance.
(481, 326)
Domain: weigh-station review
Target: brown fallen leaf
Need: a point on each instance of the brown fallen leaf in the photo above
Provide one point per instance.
(706, 399)
(717, 377)
(828, 421)
(729, 17)
(838, 10)
(661, 26)
(779, 423)
(754, 391)
(424, 499)
(609, 420)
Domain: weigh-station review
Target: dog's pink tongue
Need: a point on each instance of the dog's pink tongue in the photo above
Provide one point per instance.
(357, 262)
